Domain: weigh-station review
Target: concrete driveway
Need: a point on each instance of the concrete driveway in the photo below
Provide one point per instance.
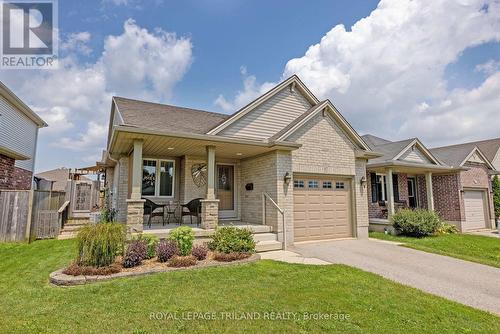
(466, 282)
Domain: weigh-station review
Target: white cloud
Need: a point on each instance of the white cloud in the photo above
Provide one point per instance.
(251, 90)
(75, 99)
(77, 42)
(386, 73)
(490, 67)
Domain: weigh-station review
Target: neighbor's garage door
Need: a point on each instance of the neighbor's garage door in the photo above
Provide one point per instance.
(322, 208)
(475, 210)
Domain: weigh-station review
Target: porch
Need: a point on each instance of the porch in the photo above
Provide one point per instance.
(397, 186)
(228, 176)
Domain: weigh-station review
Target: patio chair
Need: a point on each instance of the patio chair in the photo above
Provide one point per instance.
(149, 209)
(193, 208)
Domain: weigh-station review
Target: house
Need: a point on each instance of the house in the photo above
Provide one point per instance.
(59, 177)
(470, 191)
(18, 139)
(286, 158)
(409, 175)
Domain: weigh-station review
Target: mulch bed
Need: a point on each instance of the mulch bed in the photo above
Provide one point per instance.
(147, 267)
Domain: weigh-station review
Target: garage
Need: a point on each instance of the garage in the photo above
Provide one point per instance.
(322, 208)
(475, 210)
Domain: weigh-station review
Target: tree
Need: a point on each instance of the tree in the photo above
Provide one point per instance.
(496, 195)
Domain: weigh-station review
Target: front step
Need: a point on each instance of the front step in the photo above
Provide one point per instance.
(266, 246)
(71, 228)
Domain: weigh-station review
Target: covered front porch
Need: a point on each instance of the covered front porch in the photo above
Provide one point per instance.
(399, 185)
(227, 176)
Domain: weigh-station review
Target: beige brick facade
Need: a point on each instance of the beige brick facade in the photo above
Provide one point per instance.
(122, 188)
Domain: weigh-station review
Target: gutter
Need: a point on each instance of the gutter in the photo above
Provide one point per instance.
(426, 166)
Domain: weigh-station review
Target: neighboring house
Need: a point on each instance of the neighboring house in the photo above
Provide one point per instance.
(18, 139)
(287, 144)
(470, 191)
(410, 175)
(60, 177)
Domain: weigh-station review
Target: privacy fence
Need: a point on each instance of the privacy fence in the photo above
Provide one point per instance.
(29, 214)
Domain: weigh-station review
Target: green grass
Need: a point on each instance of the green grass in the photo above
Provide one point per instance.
(475, 248)
(29, 304)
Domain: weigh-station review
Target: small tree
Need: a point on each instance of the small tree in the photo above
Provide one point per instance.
(496, 195)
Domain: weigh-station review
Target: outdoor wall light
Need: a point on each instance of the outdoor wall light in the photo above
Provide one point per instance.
(363, 182)
(287, 178)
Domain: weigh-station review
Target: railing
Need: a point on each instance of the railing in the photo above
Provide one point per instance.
(63, 214)
(280, 210)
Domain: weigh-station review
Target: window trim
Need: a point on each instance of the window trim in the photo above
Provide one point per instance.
(295, 182)
(157, 180)
(340, 185)
(324, 183)
(312, 181)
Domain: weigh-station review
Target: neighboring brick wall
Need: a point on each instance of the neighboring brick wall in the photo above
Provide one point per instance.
(13, 178)
(403, 188)
(447, 202)
(422, 191)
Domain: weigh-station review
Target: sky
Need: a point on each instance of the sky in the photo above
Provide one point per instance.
(394, 68)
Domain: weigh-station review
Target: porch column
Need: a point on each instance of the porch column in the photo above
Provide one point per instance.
(390, 193)
(210, 205)
(430, 195)
(135, 205)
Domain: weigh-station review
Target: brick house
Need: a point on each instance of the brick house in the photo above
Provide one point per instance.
(18, 139)
(286, 162)
(456, 183)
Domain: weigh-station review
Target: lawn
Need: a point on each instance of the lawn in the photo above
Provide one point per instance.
(374, 305)
(475, 248)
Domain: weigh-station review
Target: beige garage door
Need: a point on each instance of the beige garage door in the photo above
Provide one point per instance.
(322, 208)
(475, 210)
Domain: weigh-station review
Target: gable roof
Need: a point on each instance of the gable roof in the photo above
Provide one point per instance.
(294, 81)
(333, 112)
(165, 117)
(372, 140)
(394, 150)
(21, 106)
(458, 155)
(488, 147)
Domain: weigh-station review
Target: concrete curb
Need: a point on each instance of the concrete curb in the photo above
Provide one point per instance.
(60, 279)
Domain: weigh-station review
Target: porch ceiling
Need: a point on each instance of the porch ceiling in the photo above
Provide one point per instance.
(157, 144)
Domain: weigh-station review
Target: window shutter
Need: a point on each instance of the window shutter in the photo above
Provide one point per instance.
(373, 179)
(395, 186)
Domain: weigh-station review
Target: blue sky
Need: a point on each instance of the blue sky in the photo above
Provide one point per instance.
(396, 69)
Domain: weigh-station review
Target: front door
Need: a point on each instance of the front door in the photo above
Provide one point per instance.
(225, 191)
(412, 193)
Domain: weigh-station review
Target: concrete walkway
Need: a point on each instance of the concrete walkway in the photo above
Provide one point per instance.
(291, 257)
(466, 282)
(486, 233)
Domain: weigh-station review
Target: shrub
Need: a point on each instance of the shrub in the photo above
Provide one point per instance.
(182, 261)
(75, 270)
(166, 249)
(416, 223)
(135, 253)
(495, 187)
(446, 228)
(230, 239)
(184, 237)
(229, 257)
(200, 252)
(99, 244)
(150, 241)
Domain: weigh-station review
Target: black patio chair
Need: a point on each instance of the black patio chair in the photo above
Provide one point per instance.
(149, 209)
(193, 208)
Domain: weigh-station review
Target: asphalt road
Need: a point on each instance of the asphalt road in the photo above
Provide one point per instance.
(466, 282)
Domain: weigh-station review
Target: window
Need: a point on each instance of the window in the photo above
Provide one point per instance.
(379, 187)
(298, 183)
(339, 185)
(327, 185)
(158, 178)
(313, 184)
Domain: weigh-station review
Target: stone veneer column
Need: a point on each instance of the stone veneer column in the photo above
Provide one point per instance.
(135, 215)
(209, 213)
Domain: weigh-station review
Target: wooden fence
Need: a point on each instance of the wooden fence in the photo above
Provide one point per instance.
(26, 214)
(15, 215)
